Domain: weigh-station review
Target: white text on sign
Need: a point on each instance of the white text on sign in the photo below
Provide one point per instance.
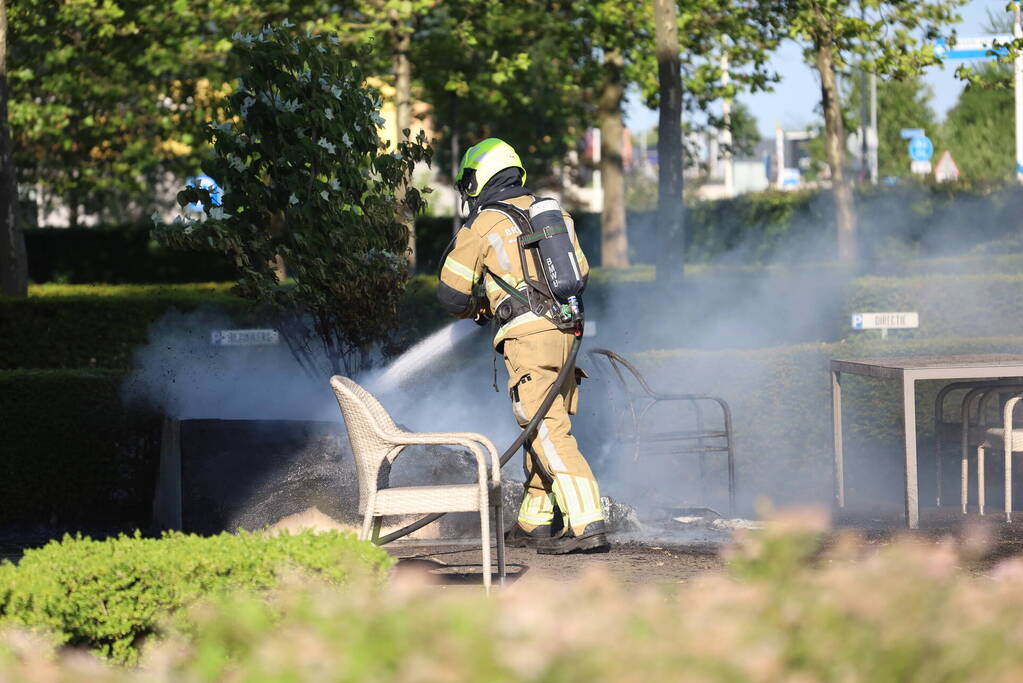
(885, 321)
(244, 337)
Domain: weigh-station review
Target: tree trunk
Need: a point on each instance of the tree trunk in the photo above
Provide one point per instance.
(834, 137)
(13, 259)
(401, 41)
(670, 211)
(614, 244)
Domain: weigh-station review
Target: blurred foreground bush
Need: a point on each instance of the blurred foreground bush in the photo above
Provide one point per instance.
(108, 595)
(787, 609)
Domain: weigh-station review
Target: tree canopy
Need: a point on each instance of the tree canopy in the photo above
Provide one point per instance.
(308, 181)
(978, 129)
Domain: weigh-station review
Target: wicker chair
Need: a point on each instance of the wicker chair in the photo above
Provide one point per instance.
(639, 398)
(375, 438)
(1011, 441)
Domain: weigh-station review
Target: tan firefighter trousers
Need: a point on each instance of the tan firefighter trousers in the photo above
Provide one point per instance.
(563, 477)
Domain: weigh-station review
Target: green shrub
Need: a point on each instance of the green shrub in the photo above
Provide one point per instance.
(109, 595)
(73, 456)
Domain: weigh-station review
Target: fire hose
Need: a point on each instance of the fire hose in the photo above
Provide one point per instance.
(528, 432)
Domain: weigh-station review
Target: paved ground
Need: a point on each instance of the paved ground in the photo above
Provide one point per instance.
(676, 562)
(630, 562)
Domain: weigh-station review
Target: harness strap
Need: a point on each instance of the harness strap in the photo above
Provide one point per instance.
(547, 304)
(547, 232)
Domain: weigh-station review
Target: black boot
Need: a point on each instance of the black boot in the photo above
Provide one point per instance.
(520, 538)
(593, 539)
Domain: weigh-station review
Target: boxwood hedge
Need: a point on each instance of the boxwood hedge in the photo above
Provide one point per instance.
(110, 595)
(99, 326)
(73, 456)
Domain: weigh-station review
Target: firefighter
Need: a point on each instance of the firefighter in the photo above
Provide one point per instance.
(559, 483)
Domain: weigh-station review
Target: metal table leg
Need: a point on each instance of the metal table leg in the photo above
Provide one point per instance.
(909, 422)
(836, 426)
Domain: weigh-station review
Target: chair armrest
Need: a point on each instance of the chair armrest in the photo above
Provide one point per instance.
(465, 439)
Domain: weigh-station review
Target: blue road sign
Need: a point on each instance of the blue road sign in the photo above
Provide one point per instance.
(978, 48)
(921, 148)
(910, 133)
(204, 182)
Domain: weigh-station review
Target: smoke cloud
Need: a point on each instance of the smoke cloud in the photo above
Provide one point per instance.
(737, 326)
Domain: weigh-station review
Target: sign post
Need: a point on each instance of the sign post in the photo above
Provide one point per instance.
(885, 321)
(921, 149)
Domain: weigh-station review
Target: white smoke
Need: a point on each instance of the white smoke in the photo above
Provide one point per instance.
(444, 382)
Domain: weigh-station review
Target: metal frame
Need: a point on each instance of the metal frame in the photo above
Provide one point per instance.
(941, 426)
(908, 371)
(639, 404)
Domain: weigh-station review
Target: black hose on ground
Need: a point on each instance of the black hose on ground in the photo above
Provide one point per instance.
(527, 433)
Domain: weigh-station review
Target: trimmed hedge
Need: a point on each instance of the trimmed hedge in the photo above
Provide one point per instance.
(896, 223)
(120, 254)
(73, 456)
(96, 326)
(70, 326)
(82, 326)
(789, 606)
(109, 596)
(949, 305)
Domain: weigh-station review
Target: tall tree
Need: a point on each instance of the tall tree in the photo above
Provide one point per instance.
(978, 128)
(892, 38)
(518, 71)
(670, 212)
(108, 98)
(392, 24)
(691, 45)
(13, 260)
(616, 33)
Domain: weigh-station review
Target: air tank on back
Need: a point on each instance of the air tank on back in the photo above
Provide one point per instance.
(557, 251)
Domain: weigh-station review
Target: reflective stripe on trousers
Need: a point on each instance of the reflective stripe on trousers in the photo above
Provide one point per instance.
(563, 475)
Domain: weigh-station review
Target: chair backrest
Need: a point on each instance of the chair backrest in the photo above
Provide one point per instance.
(365, 420)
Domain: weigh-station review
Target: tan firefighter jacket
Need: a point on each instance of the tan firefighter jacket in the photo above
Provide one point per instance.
(491, 241)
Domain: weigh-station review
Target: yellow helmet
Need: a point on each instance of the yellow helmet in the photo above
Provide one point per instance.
(482, 162)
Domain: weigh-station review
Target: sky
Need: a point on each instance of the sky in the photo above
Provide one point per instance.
(793, 100)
